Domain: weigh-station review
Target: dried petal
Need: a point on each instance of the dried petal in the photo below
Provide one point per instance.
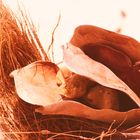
(36, 83)
(79, 63)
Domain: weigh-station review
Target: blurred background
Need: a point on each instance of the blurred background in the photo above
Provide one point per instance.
(115, 15)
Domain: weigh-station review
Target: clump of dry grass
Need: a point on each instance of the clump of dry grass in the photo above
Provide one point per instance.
(20, 46)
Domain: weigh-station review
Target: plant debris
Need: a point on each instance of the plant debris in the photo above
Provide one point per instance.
(37, 83)
(67, 114)
(95, 71)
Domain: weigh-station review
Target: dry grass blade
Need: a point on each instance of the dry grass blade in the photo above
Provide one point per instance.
(18, 48)
(51, 46)
(26, 24)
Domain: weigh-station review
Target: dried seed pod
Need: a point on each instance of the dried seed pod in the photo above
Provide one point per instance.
(95, 71)
(117, 52)
(111, 58)
(102, 98)
(86, 34)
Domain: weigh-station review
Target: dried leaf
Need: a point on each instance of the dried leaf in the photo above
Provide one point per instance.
(79, 63)
(38, 83)
(80, 110)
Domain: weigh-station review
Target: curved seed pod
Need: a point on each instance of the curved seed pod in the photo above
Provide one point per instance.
(86, 34)
(117, 61)
(79, 63)
(38, 83)
(118, 52)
